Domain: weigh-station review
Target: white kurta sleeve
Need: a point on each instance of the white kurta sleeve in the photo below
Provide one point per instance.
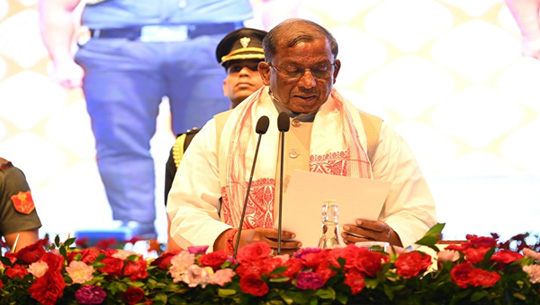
(194, 199)
(409, 208)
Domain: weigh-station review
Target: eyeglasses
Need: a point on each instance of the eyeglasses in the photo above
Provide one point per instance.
(237, 67)
(320, 71)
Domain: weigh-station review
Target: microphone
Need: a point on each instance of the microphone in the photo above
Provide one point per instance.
(261, 128)
(283, 126)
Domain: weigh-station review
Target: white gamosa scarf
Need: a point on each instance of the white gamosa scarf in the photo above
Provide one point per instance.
(336, 148)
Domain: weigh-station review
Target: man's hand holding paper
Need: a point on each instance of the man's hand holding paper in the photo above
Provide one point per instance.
(368, 230)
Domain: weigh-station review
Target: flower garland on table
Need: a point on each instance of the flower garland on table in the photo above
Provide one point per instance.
(478, 271)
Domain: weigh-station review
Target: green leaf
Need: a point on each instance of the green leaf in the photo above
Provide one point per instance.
(341, 261)
(388, 292)
(279, 279)
(62, 251)
(5, 261)
(478, 296)
(57, 241)
(226, 292)
(132, 258)
(326, 293)
(278, 270)
(341, 298)
(488, 256)
(431, 237)
(70, 241)
(286, 298)
(436, 229)
(519, 296)
(371, 283)
(298, 297)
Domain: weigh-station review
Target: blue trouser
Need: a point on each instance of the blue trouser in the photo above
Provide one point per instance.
(124, 83)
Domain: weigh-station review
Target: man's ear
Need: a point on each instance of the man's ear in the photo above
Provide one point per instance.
(264, 72)
(336, 69)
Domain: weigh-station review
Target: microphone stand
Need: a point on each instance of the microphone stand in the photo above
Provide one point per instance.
(262, 127)
(283, 126)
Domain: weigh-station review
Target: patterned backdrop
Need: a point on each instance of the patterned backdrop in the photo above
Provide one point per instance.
(447, 75)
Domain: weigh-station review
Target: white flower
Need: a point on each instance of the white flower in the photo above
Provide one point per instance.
(534, 273)
(195, 275)
(80, 272)
(38, 268)
(179, 264)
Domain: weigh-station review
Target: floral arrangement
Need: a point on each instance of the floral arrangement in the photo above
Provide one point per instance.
(480, 270)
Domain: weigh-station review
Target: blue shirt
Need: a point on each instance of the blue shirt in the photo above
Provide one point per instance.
(122, 13)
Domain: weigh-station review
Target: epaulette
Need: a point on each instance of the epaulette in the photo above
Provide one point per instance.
(5, 164)
(181, 144)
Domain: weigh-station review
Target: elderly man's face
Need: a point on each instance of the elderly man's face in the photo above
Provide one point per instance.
(301, 77)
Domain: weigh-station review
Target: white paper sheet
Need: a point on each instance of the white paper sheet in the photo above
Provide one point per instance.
(306, 193)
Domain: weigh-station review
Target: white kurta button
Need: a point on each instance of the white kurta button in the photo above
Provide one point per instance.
(295, 123)
(293, 154)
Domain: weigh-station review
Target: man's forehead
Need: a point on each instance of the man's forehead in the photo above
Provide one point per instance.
(305, 50)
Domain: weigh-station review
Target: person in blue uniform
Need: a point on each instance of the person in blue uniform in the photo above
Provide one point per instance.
(239, 53)
(131, 55)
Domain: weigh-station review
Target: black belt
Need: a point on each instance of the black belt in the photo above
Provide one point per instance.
(192, 30)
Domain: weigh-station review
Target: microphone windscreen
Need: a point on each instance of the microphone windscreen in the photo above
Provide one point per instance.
(283, 122)
(262, 125)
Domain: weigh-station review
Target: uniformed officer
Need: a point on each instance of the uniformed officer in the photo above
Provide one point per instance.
(19, 220)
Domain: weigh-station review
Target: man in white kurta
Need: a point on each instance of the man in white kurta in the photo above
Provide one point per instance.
(326, 135)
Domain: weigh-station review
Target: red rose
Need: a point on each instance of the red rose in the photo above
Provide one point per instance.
(312, 260)
(48, 288)
(369, 262)
(412, 263)
(293, 267)
(11, 256)
(89, 255)
(480, 277)
(475, 255)
(136, 270)
(133, 295)
(164, 260)
(113, 266)
(31, 253)
(55, 262)
(252, 252)
(270, 264)
(461, 274)
(482, 242)
(1, 285)
(252, 284)
(214, 259)
(355, 280)
(347, 253)
(256, 267)
(458, 247)
(324, 270)
(505, 257)
(16, 271)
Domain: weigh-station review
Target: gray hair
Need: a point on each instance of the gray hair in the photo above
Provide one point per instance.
(293, 31)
